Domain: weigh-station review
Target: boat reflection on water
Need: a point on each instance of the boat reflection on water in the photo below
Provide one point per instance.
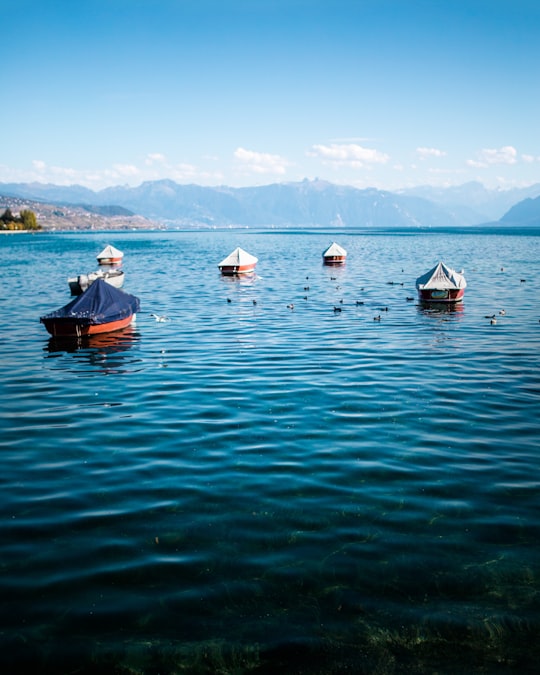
(245, 279)
(116, 341)
(334, 272)
(438, 308)
(106, 352)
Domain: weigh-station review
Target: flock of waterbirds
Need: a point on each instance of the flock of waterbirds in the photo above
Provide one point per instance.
(339, 307)
(336, 308)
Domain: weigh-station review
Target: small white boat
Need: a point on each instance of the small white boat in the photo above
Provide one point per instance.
(110, 256)
(238, 262)
(78, 284)
(334, 255)
(441, 284)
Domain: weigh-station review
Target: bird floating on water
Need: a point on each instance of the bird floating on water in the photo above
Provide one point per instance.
(160, 319)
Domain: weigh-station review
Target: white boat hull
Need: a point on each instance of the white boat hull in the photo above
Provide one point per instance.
(80, 283)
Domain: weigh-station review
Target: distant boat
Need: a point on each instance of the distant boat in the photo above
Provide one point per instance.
(238, 262)
(110, 256)
(441, 284)
(100, 309)
(334, 255)
(79, 284)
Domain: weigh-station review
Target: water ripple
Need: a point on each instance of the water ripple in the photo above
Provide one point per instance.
(254, 477)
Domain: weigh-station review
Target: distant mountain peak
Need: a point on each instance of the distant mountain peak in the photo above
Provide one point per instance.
(306, 203)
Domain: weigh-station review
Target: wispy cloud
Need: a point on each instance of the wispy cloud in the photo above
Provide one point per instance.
(61, 175)
(491, 156)
(155, 166)
(155, 158)
(261, 162)
(348, 154)
(58, 174)
(126, 170)
(424, 153)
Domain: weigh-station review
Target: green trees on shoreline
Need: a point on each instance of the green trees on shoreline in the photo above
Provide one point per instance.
(26, 220)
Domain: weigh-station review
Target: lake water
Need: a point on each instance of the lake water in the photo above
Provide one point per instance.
(254, 488)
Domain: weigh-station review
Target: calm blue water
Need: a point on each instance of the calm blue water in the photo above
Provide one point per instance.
(254, 488)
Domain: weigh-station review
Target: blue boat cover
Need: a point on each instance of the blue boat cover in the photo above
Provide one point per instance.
(100, 303)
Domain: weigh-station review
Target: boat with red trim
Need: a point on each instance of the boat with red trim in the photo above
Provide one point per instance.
(110, 256)
(238, 262)
(334, 255)
(102, 308)
(441, 284)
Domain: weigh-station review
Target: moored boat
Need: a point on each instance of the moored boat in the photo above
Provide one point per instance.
(79, 284)
(110, 256)
(441, 284)
(238, 262)
(334, 255)
(102, 308)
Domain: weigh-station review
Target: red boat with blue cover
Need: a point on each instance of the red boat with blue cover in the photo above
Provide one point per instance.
(100, 309)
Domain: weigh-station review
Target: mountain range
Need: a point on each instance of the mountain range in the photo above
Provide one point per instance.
(525, 213)
(309, 203)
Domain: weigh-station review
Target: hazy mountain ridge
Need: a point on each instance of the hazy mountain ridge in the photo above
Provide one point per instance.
(474, 200)
(59, 216)
(526, 212)
(307, 203)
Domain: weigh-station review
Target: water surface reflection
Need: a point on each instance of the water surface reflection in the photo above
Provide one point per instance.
(106, 353)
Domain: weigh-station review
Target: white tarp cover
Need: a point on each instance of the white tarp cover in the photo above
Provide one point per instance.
(334, 249)
(238, 258)
(110, 252)
(441, 277)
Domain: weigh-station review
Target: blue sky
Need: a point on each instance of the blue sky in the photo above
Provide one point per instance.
(370, 93)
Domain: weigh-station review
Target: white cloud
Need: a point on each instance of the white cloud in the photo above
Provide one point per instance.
(118, 172)
(490, 156)
(261, 162)
(157, 168)
(350, 154)
(53, 174)
(126, 169)
(424, 153)
(476, 164)
(155, 158)
(183, 172)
